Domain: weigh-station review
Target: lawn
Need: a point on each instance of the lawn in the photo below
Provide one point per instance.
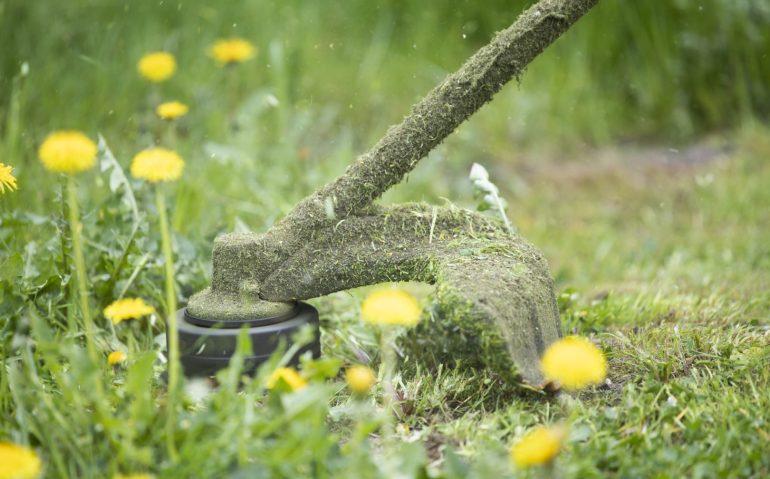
(633, 154)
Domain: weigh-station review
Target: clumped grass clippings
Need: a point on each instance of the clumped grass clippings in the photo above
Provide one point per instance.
(495, 289)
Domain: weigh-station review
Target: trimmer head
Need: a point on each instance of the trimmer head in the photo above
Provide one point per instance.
(207, 344)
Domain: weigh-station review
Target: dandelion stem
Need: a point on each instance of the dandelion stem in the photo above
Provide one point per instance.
(232, 86)
(80, 267)
(171, 133)
(388, 365)
(63, 241)
(173, 336)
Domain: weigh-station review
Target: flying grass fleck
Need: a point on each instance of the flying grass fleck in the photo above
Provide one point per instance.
(127, 308)
(157, 165)
(157, 66)
(67, 151)
(7, 180)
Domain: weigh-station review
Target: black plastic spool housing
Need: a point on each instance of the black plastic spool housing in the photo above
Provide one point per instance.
(206, 345)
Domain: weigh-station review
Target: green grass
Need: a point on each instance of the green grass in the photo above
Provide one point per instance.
(634, 70)
(660, 256)
(664, 266)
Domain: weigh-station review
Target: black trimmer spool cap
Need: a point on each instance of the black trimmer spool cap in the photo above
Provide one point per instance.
(206, 345)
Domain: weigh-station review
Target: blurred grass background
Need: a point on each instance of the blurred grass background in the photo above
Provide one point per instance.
(329, 79)
(632, 70)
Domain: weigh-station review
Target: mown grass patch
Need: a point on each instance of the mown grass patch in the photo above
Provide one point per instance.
(684, 326)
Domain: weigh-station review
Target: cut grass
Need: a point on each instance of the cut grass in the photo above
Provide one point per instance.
(684, 324)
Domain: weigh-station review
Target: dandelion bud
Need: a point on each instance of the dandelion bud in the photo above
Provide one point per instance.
(539, 446)
(360, 378)
(116, 357)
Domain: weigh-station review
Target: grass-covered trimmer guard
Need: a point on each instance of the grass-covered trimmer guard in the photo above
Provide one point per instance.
(494, 289)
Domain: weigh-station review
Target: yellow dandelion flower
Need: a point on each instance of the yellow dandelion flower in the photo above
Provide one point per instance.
(171, 110)
(6, 178)
(116, 357)
(232, 50)
(67, 151)
(127, 308)
(18, 462)
(157, 164)
(574, 362)
(134, 476)
(391, 306)
(286, 376)
(157, 66)
(538, 446)
(360, 378)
